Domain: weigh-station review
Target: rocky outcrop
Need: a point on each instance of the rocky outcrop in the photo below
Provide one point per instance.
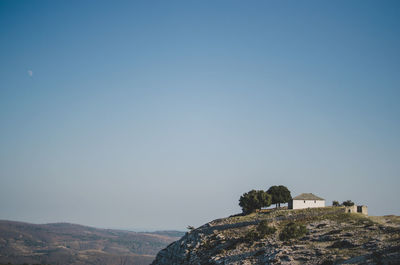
(332, 237)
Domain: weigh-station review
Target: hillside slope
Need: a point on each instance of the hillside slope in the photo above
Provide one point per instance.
(330, 237)
(64, 243)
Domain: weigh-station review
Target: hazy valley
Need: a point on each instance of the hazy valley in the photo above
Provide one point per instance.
(64, 243)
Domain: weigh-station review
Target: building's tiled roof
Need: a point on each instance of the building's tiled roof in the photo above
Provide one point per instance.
(308, 196)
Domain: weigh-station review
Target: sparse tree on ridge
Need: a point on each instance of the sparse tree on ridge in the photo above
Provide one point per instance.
(348, 203)
(280, 194)
(335, 203)
(254, 200)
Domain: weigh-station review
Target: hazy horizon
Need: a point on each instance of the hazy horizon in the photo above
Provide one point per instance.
(160, 114)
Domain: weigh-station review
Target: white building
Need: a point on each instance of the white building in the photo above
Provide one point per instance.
(306, 200)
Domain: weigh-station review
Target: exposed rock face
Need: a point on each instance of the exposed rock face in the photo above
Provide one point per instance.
(333, 237)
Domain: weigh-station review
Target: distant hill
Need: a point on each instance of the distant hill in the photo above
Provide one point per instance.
(64, 243)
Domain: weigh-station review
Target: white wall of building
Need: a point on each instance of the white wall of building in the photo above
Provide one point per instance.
(302, 204)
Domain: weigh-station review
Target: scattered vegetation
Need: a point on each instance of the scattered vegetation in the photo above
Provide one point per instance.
(251, 236)
(265, 229)
(262, 230)
(345, 203)
(292, 230)
(348, 203)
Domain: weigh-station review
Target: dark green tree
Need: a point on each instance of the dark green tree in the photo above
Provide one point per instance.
(254, 200)
(335, 203)
(280, 194)
(348, 203)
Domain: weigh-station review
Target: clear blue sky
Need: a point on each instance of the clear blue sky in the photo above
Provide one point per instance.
(160, 114)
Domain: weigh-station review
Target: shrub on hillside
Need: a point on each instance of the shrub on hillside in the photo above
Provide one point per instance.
(251, 236)
(261, 231)
(265, 229)
(335, 203)
(292, 230)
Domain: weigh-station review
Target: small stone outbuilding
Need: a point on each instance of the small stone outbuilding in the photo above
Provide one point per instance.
(357, 209)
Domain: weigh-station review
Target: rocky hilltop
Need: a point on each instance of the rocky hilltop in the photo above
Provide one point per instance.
(309, 236)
